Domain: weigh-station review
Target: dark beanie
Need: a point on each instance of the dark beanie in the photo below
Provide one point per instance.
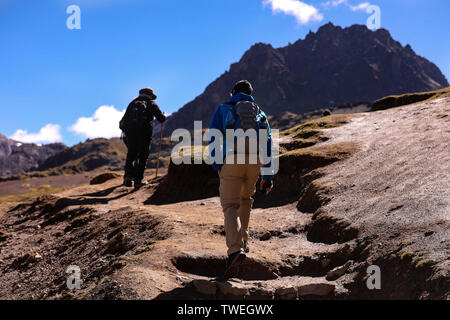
(243, 86)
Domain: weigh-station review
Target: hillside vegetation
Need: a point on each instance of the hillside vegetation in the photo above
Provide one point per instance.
(409, 98)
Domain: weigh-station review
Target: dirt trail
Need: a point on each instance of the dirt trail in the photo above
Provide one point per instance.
(388, 204)
(186, 246)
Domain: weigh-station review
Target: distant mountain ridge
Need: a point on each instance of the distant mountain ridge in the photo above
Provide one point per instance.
(332, 66)
(87, 156)
(17, 157)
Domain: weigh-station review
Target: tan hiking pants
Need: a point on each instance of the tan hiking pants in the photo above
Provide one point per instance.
(237, 187)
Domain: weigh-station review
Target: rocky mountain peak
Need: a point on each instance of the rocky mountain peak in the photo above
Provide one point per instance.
(332, 66)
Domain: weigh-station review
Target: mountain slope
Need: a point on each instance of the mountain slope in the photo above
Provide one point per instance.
(329, 67)
(88, 156)
(375, 192)
(97, 153)
(17, 158)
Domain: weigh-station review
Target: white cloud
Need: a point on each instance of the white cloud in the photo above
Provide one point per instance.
(302, 11)
(103, 124)
(335, 3)
(361, 6)
(48, 134)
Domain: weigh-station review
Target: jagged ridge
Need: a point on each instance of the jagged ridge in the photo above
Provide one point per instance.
(332, 66)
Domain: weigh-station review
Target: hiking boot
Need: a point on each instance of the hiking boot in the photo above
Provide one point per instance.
(127, 182)
(233, 262)
(246, 247)
(139, 183)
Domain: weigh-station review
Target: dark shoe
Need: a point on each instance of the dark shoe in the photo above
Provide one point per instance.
(127, 182)
(233, 262)
(139, 183)
(246, 247)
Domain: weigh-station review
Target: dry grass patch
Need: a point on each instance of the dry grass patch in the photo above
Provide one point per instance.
(409, 98)
(325, 153)
(310, 133)
(331, 121)
(32, 194)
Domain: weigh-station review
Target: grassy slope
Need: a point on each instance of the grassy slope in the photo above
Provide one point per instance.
(409, 98)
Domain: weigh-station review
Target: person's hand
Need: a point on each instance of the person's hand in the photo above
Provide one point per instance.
(269, 186)
(219, 172)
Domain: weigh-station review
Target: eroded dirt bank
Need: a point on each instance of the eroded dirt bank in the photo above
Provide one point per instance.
(395, 191)
(374, 190)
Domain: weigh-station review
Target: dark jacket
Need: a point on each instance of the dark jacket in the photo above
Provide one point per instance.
(153, 111)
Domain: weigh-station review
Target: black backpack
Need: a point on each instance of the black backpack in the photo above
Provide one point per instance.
(138, 117)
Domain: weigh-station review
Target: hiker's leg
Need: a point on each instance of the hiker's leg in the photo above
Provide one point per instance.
(247, 191)
(230, 186)
(131, 157)
(144, 152)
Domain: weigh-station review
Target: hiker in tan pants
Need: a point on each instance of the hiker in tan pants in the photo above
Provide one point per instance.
(237, 187)
(240, 116)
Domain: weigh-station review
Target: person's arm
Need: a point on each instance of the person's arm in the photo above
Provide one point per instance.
(161, 117)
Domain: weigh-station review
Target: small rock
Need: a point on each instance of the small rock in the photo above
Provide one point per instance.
(232, 288)
(316, 289)
(102, 178)
(338, 271)
(119, 244)
(3, 236)
(205, 287)
(184, 280)
(202, 203)
(287, 293)
(37, 256)
(23, 261)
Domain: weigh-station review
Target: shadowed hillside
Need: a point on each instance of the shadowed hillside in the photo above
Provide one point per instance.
(107, 154)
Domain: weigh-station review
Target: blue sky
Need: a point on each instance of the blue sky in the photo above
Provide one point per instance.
(52, 76)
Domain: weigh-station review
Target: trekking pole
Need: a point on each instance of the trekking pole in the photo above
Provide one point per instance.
(159, 148)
